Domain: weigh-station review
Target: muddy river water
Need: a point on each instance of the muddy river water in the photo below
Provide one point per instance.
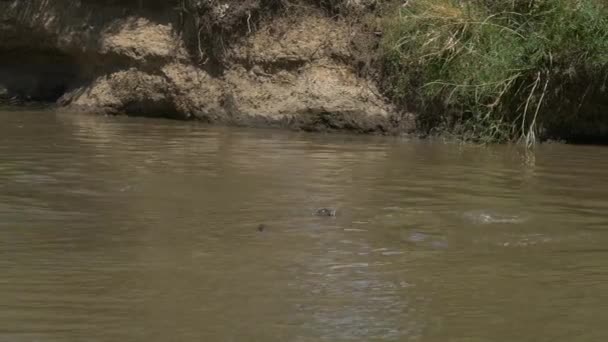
(117, 229)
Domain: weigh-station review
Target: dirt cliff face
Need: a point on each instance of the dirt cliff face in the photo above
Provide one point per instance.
(249, 63)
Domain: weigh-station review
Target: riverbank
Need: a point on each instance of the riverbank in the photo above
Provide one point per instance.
(248, 63)
(501, 71)
(427, 66)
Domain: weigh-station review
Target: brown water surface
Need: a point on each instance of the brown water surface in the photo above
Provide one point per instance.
(115, 229)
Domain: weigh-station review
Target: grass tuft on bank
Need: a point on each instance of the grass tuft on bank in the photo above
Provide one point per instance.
(496, 71)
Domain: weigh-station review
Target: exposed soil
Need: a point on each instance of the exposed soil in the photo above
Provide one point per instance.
(255, 62)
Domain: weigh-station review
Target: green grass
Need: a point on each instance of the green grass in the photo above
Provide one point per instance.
(495, 71)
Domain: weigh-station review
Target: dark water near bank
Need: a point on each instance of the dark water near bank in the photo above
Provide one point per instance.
(117, 229)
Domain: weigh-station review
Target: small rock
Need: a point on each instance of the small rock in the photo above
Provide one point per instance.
(261, 227)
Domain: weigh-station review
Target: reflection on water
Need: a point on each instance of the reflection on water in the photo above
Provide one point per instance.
(128, 229)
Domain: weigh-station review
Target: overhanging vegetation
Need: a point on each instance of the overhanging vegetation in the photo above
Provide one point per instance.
(499, 70)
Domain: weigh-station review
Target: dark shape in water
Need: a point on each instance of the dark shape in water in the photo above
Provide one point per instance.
(325, 212)
(261, 227)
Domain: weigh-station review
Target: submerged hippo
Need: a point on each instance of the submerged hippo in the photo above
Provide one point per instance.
(492, 217)
(325, 212)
